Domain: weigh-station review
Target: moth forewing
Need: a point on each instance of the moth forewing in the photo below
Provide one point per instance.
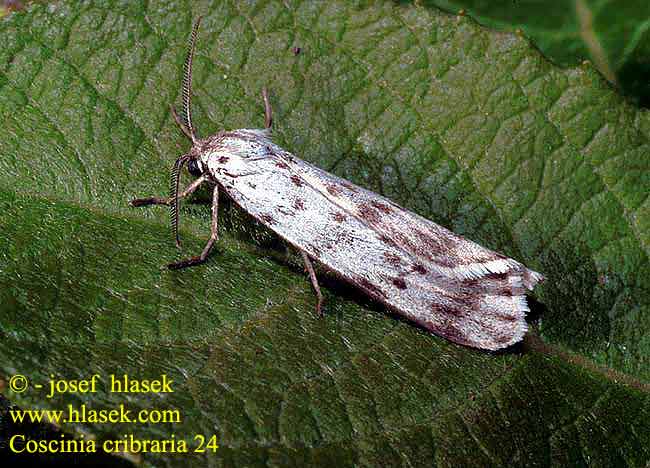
(449, 285)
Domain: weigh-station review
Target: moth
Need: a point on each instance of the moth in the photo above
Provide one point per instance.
(418, 269)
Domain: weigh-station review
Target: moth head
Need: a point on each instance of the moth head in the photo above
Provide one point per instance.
(195, 167)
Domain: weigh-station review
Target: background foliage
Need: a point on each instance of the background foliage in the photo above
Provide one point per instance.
(473, 128)
(614, 35)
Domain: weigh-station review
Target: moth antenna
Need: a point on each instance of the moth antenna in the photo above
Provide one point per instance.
(187, 81)
(180, 123)
(268, 113)
(173, 196)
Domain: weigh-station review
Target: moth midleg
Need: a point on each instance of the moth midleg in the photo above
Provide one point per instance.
(268, 114)
(167, 200)
(214, 236)
(314, 281)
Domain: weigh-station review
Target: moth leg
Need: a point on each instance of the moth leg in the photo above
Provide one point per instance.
(314, 282)
(268, 115)
(214, 236)
(167, 200)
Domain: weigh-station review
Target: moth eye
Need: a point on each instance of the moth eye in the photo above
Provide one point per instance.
(193, 168)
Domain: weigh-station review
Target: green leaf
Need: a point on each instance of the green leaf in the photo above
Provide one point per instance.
(614, 35)
(473, 129)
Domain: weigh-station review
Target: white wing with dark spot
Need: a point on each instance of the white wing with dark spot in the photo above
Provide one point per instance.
(451, 286)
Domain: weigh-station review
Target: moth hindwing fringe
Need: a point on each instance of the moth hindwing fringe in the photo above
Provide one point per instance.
(449, 285)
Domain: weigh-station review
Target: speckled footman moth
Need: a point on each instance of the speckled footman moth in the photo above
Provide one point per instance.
(449, 285)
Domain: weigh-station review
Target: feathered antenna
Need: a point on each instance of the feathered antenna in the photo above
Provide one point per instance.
(187, 128)
(173, 196)
(187, 82)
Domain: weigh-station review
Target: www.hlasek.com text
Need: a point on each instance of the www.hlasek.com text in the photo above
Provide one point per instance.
(85, 415)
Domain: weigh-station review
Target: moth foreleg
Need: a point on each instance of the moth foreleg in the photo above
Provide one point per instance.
(214, 236)
(314, 282)
(167, 200)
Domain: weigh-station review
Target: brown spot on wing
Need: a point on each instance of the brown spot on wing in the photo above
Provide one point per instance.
(415, 247)
(472, 283)
(285, 211)
(368, 213)
(418, 268)
(467, 299)
(505, 291)
(383, 207)
(344, 237)
(297, 180)
(299, 204)
(435, 245)
(444, 310)
(499, 276)
(281, 165)
(399, 283)
(387, 240)
(392, 259)
(507, 318)
(452, 333)
(485, 284)
(334, 189)
(338, 217)
(223, 159)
